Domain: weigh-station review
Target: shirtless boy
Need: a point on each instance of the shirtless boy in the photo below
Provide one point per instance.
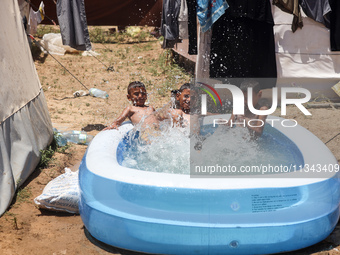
(135, 112)
(257, 123)
(181, 116)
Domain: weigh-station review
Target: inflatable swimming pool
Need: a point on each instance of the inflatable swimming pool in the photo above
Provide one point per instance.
(166, 213)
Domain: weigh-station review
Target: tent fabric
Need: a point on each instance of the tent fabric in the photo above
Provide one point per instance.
(25, 124)
(14, 49)
(24, 8)
(114, 12)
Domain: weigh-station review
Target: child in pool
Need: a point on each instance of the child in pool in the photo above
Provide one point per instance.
(257, 121)
(180, 117)
(135, 112)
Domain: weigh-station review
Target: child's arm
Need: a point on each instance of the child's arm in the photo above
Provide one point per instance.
(231, 120)
(116, 123)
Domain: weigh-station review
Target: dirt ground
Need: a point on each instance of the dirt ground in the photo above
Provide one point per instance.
(25, 229)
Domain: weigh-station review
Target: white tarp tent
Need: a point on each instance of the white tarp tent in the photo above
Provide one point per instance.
(304, 58)
(25, 124)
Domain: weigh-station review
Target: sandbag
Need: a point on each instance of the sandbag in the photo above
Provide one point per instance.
(61, 194)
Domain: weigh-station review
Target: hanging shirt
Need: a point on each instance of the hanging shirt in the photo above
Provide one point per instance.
(169, 25)
(292, 7)
(183, 20)
(73, 25)
(36, 18)
(208, 11)
(318, 10)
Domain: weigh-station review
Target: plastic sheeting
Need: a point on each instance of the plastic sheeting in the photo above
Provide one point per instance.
(304, 58)
(25, 124)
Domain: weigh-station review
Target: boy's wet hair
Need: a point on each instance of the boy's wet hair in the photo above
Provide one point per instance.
(184, 86)
(250, 84)
(135, 84)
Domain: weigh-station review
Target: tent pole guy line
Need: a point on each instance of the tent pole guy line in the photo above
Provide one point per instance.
(110, 68)
(28, 1)
(38, 44)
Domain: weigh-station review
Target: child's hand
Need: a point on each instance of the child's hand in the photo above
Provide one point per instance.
(112, 126)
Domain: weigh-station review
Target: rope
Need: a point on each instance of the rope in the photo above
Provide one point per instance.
(106, 47)
(110, 68)
(332, 138)
(28, 1)
(38, 44)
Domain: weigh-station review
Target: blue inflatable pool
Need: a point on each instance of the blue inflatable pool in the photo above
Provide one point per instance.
(166, 213)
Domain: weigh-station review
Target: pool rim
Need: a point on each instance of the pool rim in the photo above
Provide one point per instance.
(103, 151)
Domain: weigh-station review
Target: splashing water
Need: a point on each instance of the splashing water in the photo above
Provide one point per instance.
(227, 146)
(168, 152)
(172, 150)
(235, 146)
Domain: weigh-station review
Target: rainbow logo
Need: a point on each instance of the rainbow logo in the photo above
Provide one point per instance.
(209, 93)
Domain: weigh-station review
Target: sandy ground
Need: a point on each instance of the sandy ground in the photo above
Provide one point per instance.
(24, 229)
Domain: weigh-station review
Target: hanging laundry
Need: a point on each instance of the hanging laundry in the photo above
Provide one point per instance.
(192, 26)
(183, 20)
(335, 25)
(169, 25)
(73, 25)
(36, 18)
(242, 43)
(209, 11)
(292, 7)
(318, 10)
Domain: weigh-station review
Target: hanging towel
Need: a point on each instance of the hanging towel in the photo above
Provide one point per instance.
(73, 25)
(208, 11)
(292, 7)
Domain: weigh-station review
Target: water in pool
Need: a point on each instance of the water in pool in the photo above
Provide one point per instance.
(172, 151)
